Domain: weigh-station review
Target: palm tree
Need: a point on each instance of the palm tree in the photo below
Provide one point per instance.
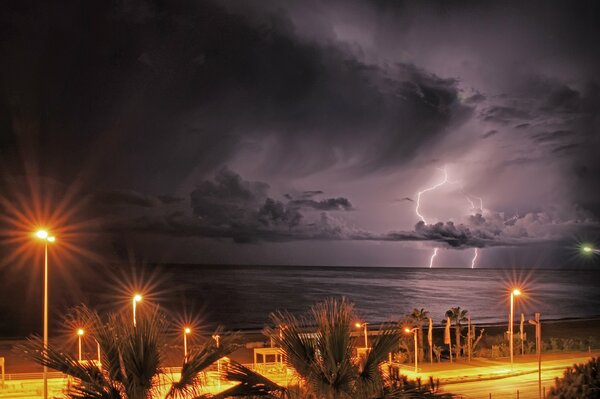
(132, 358)
(319, 346)
(457, 316)
(418, 316)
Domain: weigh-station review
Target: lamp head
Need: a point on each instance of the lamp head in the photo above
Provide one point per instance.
(587, 249)
(358, 325)
(516, 292)
(42, 234)
(187, 330)
(137, 298)
(80, 332)
(51, 239)
(407, 330)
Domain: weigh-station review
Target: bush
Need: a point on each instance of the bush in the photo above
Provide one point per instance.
(579, 381)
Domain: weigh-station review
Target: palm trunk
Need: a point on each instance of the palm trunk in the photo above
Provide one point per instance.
(457, 339)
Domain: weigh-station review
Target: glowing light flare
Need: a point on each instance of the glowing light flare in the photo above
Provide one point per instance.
(516, 292)
(588, 250)
(42, 234)
(187, 330)
(433, 255)
(137, 298)
(80, 332)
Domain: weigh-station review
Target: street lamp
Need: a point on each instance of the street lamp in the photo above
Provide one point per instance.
(414, 333)
(80, 333)
(538, 348)
(186, 331)
(515, 292)
(136, 298)
(364, 325)
(216, 337)
(47, 238)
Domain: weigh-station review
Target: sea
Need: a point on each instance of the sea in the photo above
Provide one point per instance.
(243, 297)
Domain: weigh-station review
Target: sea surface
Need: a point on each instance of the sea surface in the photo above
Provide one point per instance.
(242, 297)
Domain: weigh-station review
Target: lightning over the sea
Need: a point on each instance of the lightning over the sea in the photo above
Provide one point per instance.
(433, 255)
(474, 258)
(444, 181)
(480, 210)
(429, 189)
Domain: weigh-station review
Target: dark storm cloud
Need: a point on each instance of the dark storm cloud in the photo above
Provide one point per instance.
(126, 198)
(230, 207)
(200, 81)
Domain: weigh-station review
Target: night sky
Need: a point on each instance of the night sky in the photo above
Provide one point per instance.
(300, 132)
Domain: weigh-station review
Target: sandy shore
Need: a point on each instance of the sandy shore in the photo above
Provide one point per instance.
(582, 329)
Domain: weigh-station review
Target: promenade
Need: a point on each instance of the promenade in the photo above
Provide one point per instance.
(470, 380)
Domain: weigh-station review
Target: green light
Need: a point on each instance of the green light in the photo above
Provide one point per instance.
(587, 249)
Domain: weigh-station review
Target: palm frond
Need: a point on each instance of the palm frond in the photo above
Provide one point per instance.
(208, 354)
(91, 382)
(295, 341)
(370, 379)
(251, 384)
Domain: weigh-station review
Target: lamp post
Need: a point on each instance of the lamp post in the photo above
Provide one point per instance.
(186, 331)
(538, 349)
(80, 333)
(99, 358)
(43, 235)
(414, 333)
(364, 325)
(217, 337)
(136, 298)
(515, 292)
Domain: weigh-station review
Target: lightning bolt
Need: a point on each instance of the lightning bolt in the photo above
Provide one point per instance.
(474, 258)
(419, 194)
(472, 204)
(429, 189)
(433, 255)
(476, 253)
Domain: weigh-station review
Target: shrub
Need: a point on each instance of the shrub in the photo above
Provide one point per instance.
(579, 381)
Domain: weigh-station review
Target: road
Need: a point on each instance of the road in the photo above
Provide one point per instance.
(526, 383)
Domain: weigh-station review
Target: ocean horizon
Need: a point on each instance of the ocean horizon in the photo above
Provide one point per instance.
(243, 296)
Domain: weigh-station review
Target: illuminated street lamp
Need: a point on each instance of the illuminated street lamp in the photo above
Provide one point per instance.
(414, 333)
(80, 333)
(136, 298)
(515, 292)
(538, 348)
(47, 238)
(364, 325)
(186, 331)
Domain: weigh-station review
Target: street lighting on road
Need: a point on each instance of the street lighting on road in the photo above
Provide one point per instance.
(414, 333)
(538, 348)
(186, 331)
(136, 298)
(47, 238)
(80, 333)
(364, 325)
(515, 292)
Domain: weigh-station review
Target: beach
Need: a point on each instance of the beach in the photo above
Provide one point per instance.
(581, 329)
